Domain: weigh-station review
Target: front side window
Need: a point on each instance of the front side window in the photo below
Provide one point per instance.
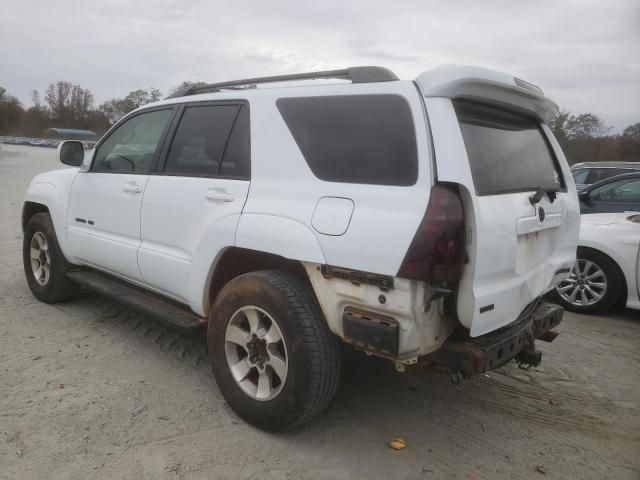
(625, 190)
(507, 152)
(355, 138)
(132, 147)
(210, 140)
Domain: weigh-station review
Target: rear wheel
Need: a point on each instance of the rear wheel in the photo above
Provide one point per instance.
(273, 356)
(44, 264)
(594, 285)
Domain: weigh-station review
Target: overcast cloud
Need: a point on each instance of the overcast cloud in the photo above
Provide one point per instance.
(584, 54)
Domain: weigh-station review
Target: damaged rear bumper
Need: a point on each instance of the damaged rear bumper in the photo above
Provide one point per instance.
(477, 355)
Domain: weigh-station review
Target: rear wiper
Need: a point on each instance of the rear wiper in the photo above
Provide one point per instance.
(536, 197)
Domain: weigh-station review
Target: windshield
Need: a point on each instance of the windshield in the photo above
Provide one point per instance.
(507, 152)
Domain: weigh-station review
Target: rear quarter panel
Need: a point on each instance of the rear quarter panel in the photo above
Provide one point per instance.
(384, 218)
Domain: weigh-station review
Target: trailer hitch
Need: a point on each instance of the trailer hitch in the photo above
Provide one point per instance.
(456, 376)
(529, 357)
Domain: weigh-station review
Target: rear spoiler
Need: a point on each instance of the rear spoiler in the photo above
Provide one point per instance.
(486, 86)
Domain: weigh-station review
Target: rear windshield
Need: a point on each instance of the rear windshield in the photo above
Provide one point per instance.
(507, 152)
(355, 138)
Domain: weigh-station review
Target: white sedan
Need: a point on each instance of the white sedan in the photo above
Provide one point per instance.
(608, 267)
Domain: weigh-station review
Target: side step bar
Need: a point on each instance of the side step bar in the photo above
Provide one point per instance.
(169, 312)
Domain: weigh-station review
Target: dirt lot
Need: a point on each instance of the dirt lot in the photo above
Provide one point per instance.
(89, 389)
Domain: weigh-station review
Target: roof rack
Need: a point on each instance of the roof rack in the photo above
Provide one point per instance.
(355, 74)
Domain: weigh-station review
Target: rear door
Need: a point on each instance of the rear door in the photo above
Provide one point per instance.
(202, 181)
(518, 244)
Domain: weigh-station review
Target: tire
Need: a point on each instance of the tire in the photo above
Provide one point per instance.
(601, 270)
(311, 352)
(52, 284)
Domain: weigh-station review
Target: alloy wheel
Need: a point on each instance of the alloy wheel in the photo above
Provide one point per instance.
(256, 353)
(40, 258)
(586, 286)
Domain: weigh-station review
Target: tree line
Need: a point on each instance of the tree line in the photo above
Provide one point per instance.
(584, 137)
(67, 105)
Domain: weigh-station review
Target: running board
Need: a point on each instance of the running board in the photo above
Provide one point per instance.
(169, 312)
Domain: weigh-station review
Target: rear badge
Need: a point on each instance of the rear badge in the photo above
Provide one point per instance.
(487, 308)
(541, 214)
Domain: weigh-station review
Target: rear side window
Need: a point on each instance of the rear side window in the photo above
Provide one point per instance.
(237, 156)
(598, 174)
(507, 152)
(355, 138)
(210, 141)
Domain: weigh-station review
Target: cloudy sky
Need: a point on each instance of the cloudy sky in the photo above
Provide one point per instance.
(585, 54)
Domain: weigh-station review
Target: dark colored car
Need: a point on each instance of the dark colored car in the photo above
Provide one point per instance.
(588, 173)
(615, 194)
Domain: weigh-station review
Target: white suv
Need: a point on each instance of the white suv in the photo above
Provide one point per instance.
(420, 221)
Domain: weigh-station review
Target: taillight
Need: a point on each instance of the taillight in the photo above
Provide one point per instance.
(436, 253)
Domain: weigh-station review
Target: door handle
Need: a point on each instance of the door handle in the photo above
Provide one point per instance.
(219, 195)
(132, 188)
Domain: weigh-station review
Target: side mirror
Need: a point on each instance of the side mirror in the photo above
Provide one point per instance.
(583, 196)
(71, 152)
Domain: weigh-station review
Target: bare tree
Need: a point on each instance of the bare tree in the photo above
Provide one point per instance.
(69, 104)
(35, 98)
(57, 96)
(80, 102)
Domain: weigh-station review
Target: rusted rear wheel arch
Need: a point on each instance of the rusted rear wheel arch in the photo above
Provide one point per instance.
(237, 261)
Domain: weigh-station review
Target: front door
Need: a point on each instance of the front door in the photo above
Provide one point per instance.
(103, 219)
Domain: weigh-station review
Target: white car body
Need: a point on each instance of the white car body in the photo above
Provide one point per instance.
(615, 235)
(169, 233)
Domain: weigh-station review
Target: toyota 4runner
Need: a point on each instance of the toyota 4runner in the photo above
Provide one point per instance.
(419, 221)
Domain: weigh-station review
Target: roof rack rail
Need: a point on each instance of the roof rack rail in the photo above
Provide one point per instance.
(355, 74)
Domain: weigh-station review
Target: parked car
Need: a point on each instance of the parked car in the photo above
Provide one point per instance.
(607, 270)
(616, 194)
(588, 173)
(285, 220)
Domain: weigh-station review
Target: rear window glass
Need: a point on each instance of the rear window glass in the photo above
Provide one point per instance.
(355, 138)
(507, 152)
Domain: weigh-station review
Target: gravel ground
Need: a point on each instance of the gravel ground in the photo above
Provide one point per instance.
(90, 389)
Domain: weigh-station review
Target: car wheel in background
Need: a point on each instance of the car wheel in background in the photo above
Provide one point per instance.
(594, 286)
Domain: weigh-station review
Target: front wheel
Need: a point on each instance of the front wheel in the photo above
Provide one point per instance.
(44, 264)
(594, 285)
(273, 356)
